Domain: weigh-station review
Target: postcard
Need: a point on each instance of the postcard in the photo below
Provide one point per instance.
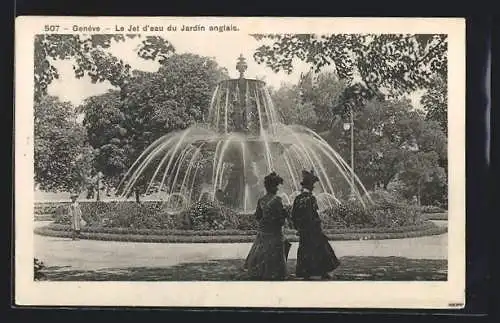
(240, 162)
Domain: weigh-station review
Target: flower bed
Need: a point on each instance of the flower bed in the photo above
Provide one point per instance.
(383, 213)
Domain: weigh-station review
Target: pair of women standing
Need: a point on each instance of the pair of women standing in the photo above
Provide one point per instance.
(267, 257)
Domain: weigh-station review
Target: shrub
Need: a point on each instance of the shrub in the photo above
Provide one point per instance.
(206, 215)
(435, 216)
(44, 217)
(48, 207)
(396, 215)
(384, 198)
(101, 213)
(133, 215)
(386, 211)
(92, 206)
(39, 266)
(431, 209)
(61, 215)
(231, 218)
(91, 212)
(348, 214)
(247, 221)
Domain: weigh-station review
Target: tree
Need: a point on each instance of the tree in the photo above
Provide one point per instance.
(435, 103)
(386, 135)
(288, 102)
(314, 102)
(62, 160)
(379, 141)
(378, 70)
(421, 168)
(382, 63)
(176, 96)
(121, 124)
(324, 91)
(104, 121)
(89, 57)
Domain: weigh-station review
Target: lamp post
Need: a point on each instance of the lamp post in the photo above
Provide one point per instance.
(347, 126)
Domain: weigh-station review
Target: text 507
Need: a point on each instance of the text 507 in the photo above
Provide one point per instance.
(51, 28)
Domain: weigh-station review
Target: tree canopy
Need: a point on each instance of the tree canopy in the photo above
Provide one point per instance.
(315, 102)
(435, 103)
(62, 160)
(391, 138)
(393, 63)
(90, 57)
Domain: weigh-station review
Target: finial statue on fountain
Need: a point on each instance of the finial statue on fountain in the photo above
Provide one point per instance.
(241, 65)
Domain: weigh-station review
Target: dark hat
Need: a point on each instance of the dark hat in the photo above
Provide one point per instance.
(309, 178)
(272, 179)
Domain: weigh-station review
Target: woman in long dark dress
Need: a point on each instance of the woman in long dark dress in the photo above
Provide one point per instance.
(267, 257)
(315, 255)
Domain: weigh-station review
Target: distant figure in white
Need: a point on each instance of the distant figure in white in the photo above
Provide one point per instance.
(75, 214)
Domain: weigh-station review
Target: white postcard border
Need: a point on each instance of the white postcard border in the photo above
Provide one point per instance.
(450, 294)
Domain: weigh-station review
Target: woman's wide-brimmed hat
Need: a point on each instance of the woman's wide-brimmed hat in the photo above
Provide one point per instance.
(273, 179)
(309, 178)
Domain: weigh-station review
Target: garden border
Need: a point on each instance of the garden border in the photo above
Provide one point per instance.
(436, 216)
(233, 236)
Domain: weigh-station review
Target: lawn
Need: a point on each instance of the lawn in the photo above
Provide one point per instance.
(351, 269)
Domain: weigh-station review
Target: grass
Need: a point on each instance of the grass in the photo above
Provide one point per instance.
(351, 269)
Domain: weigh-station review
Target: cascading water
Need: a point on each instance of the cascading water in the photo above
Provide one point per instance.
(227, 158)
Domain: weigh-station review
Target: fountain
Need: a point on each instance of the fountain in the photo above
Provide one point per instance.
(243, 140)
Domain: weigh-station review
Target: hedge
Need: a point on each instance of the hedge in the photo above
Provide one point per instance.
(44, 217)
(49, 208)
(62, 227)
(432, 209)
(436, 216)
(233, 236)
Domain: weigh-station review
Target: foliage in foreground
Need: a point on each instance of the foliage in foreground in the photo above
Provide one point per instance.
(39, 266)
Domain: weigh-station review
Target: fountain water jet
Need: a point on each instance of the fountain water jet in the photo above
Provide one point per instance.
(247, 139)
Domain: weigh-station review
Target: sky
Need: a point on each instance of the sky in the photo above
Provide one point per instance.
(225, 48)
